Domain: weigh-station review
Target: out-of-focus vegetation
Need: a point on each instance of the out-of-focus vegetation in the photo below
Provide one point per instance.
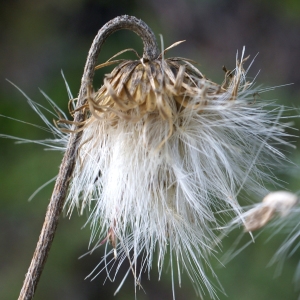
(39, 38)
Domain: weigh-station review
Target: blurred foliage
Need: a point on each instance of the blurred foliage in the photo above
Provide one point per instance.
(38, 39)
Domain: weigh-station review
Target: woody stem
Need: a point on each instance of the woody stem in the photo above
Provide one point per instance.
(65, 172)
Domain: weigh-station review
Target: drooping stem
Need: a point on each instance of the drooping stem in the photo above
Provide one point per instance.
(65, 172)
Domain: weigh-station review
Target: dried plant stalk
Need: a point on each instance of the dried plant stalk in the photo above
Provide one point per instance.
(61, 186)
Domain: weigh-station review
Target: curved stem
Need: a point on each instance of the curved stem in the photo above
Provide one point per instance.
(151, 50)
(55, 206)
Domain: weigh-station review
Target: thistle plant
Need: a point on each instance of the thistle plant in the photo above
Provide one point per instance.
(157, 157)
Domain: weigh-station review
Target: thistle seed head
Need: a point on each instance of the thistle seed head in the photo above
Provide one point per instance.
(163, 155)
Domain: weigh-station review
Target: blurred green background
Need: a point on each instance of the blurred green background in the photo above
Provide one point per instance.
(40, 38)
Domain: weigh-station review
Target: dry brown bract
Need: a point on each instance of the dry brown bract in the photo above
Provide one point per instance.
(162, 88)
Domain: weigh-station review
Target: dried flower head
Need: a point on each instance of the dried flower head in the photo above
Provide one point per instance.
(163, 154)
